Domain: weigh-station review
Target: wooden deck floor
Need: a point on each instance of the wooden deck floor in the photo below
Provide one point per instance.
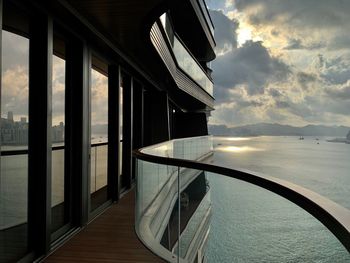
(109, 238)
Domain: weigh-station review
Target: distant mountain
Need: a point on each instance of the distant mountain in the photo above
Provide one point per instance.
(275, 129)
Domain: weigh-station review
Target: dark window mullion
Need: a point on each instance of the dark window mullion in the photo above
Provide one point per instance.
(113, 131)
(77, 128)
(39, 162)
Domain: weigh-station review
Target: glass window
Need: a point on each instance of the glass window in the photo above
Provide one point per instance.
(60, 213)
(14, 145)
(99, 134)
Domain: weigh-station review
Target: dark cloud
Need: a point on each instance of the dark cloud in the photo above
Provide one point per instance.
(274, 93)
(335, 70)
(304, 79)
(340, 41)
(305, 16)
(249, 103)
(294, 44)
(315, 108)
(225, 31)
(301, 109)
(313, 13)
(321, 107)
(275, 32)
(250, 65)
(282, 104)
(342, 93)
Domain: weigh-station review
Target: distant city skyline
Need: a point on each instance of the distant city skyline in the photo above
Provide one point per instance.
(14, 92)
(15, 132)
(281, 61)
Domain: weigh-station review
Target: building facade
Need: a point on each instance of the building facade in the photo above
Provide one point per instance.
(84, 83)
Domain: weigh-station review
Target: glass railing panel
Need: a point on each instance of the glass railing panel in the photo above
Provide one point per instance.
(14, 190)
(187, 148)
(57, 183)
(173, 201)
(14, 166)
(13, 206)
(157, 196)
(195, 218)
(101, 166)
(188, 64)
(93, 159)
(98, 175)
(152, 178)
(250, 224)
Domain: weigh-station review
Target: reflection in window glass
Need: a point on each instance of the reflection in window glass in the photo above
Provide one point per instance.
(57, 136)
(99, 136)
(191, 66)
(14, 136)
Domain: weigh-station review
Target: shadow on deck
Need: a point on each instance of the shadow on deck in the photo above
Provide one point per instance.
(109, 238)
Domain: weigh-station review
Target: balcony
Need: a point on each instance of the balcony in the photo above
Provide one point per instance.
(206, 15)
(100, 241)
(188, 74)
(166, 170)
(193, 23)
(191, 67)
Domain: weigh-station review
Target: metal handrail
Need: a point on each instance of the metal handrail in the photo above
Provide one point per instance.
(54, 148)
(335, 217)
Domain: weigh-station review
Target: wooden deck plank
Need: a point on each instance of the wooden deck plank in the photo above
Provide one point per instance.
(109, 238)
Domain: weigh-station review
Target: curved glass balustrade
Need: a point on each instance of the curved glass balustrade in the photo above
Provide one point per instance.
(174, 201)
(181, 220)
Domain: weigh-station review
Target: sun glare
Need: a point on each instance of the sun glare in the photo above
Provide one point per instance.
(236, 149)
(218, 138)
(243, 35)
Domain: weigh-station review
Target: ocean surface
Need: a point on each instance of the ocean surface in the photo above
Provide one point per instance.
(250, 224)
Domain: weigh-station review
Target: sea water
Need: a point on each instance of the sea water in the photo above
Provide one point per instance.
(250, 224)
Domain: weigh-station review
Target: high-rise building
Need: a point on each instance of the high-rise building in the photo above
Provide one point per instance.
(10, 116)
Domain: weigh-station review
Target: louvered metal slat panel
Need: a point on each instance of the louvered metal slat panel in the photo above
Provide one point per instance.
(183, 82)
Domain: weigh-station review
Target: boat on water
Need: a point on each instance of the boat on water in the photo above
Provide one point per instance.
(301, 138)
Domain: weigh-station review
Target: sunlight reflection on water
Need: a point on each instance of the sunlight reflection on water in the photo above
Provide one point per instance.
(236, 149)
(232, 138)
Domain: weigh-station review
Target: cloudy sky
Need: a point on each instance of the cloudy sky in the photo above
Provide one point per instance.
(281, 61)
(14, 93)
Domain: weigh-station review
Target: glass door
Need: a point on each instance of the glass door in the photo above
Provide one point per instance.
(60, 181)
(14, 146)
(99, 134)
